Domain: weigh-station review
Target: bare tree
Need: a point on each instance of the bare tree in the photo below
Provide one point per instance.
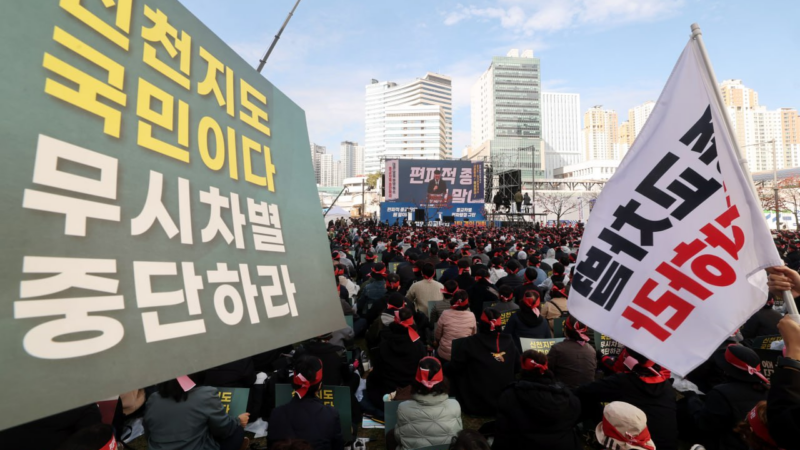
(767, 197)
(790, 195)
(557, 204)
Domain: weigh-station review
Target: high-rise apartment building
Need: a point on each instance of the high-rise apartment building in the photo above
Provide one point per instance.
(326, 170)
(352, 156)
(626, 136)
(419, 104)
(638, 115)
(756, 127)
(561, 130)
(506, 115)
(316, 152)
(600, 134)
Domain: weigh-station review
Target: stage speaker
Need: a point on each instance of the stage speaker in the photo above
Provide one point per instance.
(419, 215)
(449, 219)
(512, 180)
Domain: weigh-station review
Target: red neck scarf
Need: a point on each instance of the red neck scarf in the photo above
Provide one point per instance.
(392, 286)
(657, 377)
(640, 440)
(579, 328)
(506, 299)
(493, 324)
(424, 375)
(460, 303)
(555, 289)
(759, 428)
(338, 272)
(530, 365)
(741, 365)
(305, 384)
(527, 280)
(532, 303)
(407, 324)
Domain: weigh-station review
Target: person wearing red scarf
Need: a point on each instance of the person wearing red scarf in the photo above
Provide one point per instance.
(455, 323)
(624, 427)
(537, 411)
(648, 387)
(528, 321)
(573, 360)
(430, 417)
(395, 359)
(716, 414)
(306, 416)
(482, 364)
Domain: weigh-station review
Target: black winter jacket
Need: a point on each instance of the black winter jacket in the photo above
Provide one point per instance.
(537, 413)
(657, 401)
(783, 407)
(308, 419)
(480, 366)
(725, 406)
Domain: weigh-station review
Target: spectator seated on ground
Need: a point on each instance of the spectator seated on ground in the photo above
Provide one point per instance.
(305, 416)
(537, 411)
(450, 288)
(482, 365)
(624, 427)
(527, 322)
(395, 360)
(430, 417)
(178, 419)
(573, 362)
(455, 323)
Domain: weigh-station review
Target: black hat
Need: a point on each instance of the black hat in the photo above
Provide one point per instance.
(741, 363)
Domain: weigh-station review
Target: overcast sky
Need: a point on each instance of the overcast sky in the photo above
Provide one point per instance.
(616, 53)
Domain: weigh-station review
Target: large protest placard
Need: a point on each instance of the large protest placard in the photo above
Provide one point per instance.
(672, 260)
(159, 206)
(440, 188)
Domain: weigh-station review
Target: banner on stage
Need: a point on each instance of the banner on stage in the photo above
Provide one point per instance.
(449, 188)
(672, 260)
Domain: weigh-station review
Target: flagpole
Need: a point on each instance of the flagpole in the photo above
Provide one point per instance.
(697, 35)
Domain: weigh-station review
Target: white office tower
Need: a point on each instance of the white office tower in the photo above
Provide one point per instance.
(352, 156)
(506, 128)
(561, 130)
(326, 170)
(418, 103)
(316, 152)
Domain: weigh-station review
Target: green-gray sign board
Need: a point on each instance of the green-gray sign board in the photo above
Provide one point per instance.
(159, 207)
(234, 400)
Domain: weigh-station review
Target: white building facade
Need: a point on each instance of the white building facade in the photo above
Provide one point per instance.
(316, 152)
(352, 156)
(505, 116)
(561, 130)
(418, 96)
(588, 170)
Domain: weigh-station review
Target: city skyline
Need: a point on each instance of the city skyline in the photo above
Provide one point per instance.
(456, 38)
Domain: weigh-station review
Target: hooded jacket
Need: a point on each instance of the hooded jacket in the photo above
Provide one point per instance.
(527, 325)
(480, 367)
(427, 420)
(537, 413)
(656, 400)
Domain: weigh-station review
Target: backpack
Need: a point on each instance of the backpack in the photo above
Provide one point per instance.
(563, 313)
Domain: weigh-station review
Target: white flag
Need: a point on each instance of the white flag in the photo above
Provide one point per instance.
(672, 260)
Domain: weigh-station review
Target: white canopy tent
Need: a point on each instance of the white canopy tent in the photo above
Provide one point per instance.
(334, 213)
